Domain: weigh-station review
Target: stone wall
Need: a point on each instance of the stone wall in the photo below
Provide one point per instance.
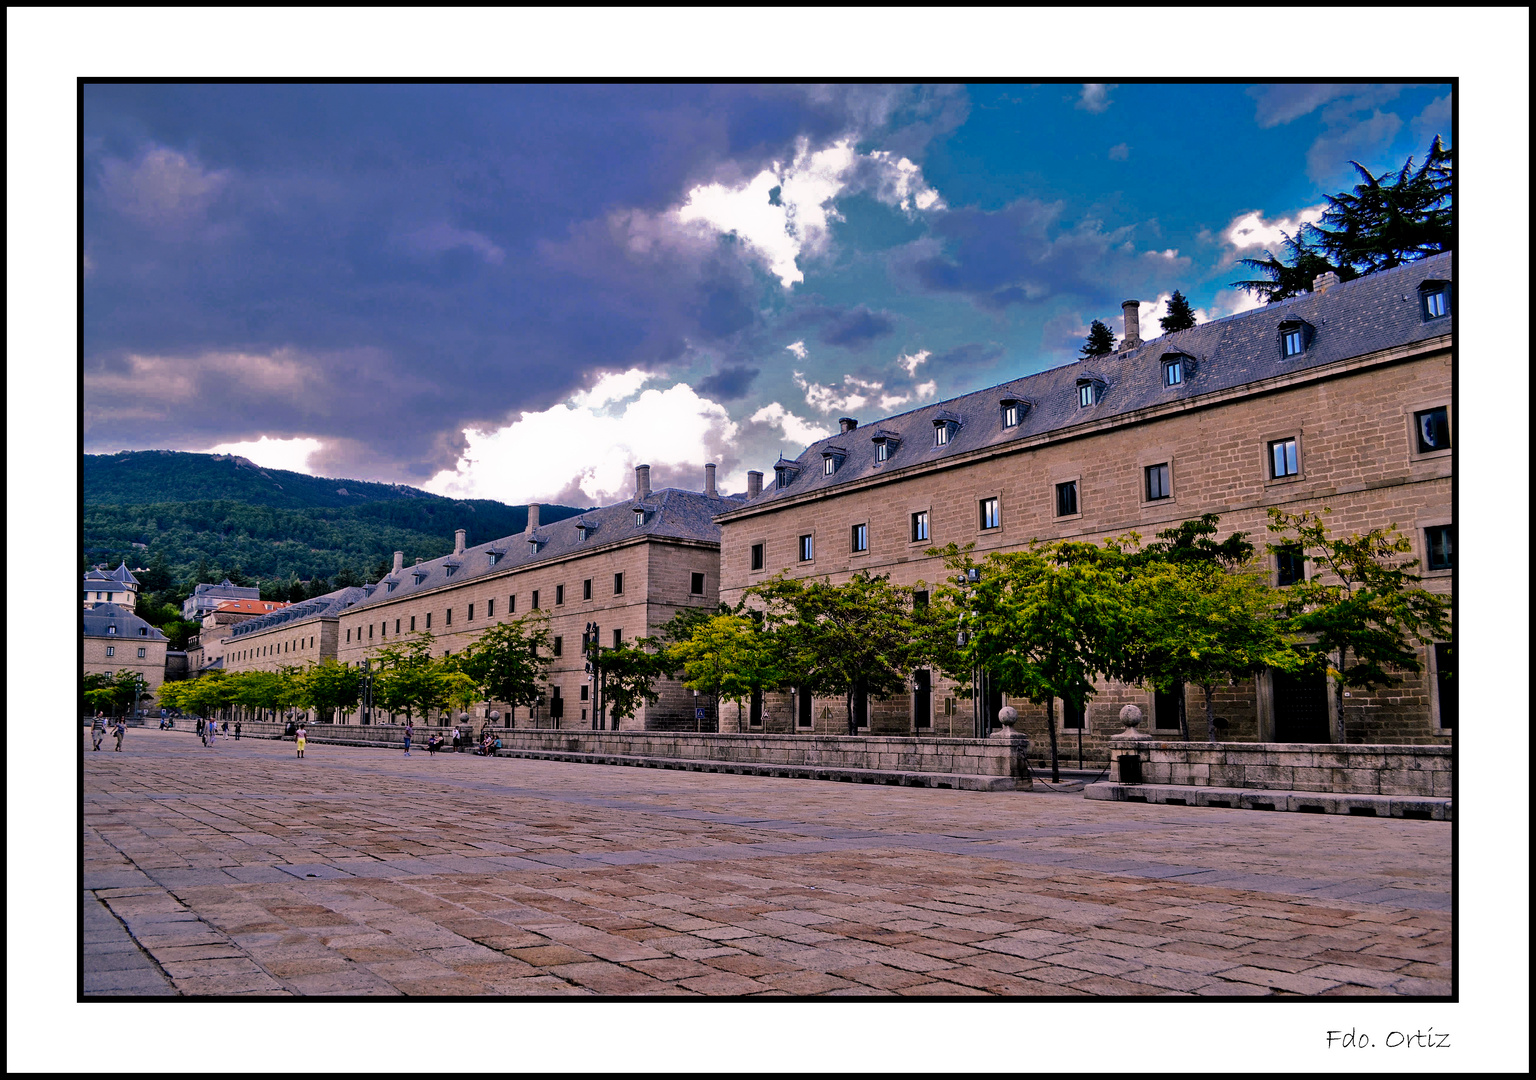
(1342, 770)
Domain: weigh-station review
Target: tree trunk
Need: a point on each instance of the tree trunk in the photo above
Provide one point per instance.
(1050, 726)
(1210, 714)
(1180, 689)
(1338, 698)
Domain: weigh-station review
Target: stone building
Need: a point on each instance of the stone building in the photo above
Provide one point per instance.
(118, 640)
(1338, 398)
(291, 635)
(628, 568)
(206, 597)
(206, 648)
(103, 586)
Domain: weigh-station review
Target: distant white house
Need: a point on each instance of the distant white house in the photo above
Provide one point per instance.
(118, 586)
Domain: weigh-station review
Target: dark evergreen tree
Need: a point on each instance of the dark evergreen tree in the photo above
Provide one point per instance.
(1180, 315)
(1101, 340)
(1283, 280)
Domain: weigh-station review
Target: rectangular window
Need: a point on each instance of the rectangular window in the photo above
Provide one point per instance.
(940, 434)
(802, 707)
(559, 595)
(1157, 482)
(511, 606)
(1440, 546)
(1066, 498)
(370, 631)
(828, 466)
(449, 620)
(533, 602)
(989, 514)
(758, 557)
(1173, 373)
(922, 699)
(397, 631)
(618, 638)
(1011, 414)
(1445, 683)
(471, 615)
(413, 624)
(618, 584)
(696, 585)
(919, 599)
(920, 526)
(807, 548)
(1283, 460)
(586, 589)
(1165, 710)
(141, 654)
(1085, 395)
(1073, 717)
(882, 453)
(858, 539)
(557, 644)
(1434, 430)
(1436, 303)
(585, 691)
(429, 620)
(349, 632)
(1291, 342)
(1290, 566)
(755, 715)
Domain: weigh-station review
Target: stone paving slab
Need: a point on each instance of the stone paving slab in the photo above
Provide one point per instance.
(241, 870)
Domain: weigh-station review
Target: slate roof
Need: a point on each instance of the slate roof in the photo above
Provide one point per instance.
(1353, 318)
(327, 606)
(671, 514)
(96, 620)
(121, 576)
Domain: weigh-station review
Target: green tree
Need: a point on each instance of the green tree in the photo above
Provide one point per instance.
(1043, 622)
(1365, 609)
(1282, 280)
(1101, 340)
(328, 686)
(852, 639)
(729, 656)
(1387, 220)
(409, 679)
(510, 661)
(1180, 315)
(627, 677)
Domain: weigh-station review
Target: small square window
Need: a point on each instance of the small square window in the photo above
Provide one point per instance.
(1433, 428)
(618, 584)
(807, 548)
(859, 540)
(1290, 566)
(1173, 373)
(586, 589)
(1066, 498)
(1157, 482)
(1283, 460)
(920, 526)
(1439, 542)
(559, 594)
(758, 556)
(989, 514)
(1084, 395)
(557, 644)
(696, 585)
(1290, 342)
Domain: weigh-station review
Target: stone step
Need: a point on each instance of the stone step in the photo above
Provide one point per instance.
(1305, 802)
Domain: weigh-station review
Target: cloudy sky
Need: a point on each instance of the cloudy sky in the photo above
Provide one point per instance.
(520, 291)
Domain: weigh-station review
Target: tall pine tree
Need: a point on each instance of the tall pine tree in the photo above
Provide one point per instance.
(1180, 315)
(1101, 340)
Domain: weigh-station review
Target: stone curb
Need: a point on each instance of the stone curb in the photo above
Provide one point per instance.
(1313, 802)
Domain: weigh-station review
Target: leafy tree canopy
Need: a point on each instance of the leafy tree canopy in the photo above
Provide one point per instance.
(1101, 340)
(1180, 315)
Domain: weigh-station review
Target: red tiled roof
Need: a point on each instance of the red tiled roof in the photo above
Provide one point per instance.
(251, 607)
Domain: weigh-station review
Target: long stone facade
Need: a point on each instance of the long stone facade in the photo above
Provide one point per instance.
(1349, 415)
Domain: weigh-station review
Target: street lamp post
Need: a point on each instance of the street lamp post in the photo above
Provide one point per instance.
(367, 701)
(589, 649)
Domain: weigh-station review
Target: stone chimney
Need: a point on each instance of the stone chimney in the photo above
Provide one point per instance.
(1323, 282)
(1131, 309)
(458, 541)
(533, 516)
(642, 481)
(754, 484)
(847, 424)
(399, 562)
(709, 478)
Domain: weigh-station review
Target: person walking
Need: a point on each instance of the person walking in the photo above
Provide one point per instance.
(118, 730)
(213, 729)
(409, 731)
(237, 731)
(98, 732)
(300, 735)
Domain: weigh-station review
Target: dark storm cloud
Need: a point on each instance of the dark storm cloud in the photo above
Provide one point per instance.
(849, 327)
(727, 384)
(403, 261)
(971, 355)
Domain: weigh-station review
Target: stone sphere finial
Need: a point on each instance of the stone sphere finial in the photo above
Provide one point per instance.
(1130, 716)
(1007, 716)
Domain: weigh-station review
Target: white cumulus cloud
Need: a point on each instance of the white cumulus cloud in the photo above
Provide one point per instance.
(798, 348)
(909, 362)
(1150, 312)
(586, 448)
(290, 454)
(162, 187)
(1251, 231)
(795, 429)
(853, 395)
(1095, 96)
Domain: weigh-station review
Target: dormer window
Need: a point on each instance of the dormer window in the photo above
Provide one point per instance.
(1013, 411)
(885, 445)
(1295, 336)
(1176, 368)
(494, 555)
(111, 629)
(784, 473)
(533, 545)
(831, 460)
(1089, 392)
(639, 518)
(1435, 299)
(419, 576)
(449, 569)
(582, 529)
(944, 427)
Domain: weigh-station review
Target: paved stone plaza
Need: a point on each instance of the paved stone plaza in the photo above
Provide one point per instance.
(240, 870)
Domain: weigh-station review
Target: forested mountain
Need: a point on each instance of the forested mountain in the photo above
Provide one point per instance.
(200, 516)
